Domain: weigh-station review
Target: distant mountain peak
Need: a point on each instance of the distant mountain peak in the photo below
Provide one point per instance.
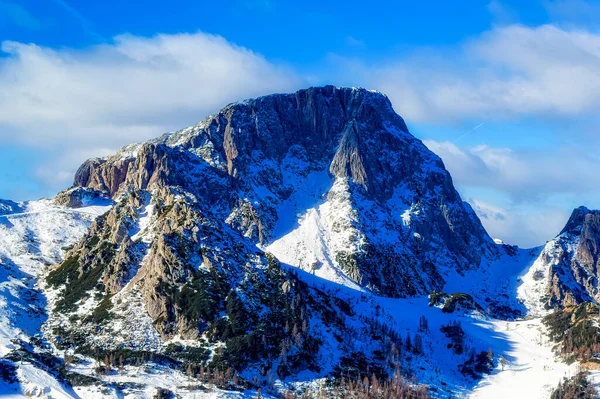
(567, 272)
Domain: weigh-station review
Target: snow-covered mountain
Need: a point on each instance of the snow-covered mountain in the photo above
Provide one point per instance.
(291, 243)
(328, 179)
(566, 273)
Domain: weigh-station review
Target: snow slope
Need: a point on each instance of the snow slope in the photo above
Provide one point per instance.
(321, 231)
(532, 369)
(30, 240)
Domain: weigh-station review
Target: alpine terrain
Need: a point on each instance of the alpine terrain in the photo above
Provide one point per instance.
(300, 245)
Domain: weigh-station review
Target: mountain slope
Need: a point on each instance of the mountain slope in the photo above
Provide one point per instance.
(33, 236)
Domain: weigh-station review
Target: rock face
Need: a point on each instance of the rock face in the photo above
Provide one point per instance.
(568, 264)
(575, 278)
(389, 216)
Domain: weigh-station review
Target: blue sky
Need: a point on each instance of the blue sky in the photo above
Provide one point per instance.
(506, 92)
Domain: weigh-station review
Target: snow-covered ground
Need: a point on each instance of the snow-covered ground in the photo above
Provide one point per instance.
(32, 237)
(316, 222)
(30, 241)
(35, 234)
(532, 370)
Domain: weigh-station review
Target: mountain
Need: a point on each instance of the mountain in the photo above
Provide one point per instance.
(328, 179)
(566, 273)
(292, 243)
(33, 236)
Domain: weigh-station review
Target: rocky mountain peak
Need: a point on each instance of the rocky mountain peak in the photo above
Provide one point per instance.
(578, 219)
(326, 125)
(386, 214)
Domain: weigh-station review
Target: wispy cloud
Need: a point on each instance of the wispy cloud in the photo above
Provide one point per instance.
(469, 132)
(528, 227)
(354, 42)
(501, 13)
(572, 13)
(85, 23)
(19, 15)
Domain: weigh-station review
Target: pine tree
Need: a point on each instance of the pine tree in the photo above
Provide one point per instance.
(423, 324)
(418, 346)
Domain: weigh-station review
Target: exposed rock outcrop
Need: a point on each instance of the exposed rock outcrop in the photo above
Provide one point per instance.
(79, 196)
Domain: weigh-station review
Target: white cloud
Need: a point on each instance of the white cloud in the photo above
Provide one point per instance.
(60, 172)
(74, 101)
(526, 227)
(83, 21)
(506, 73)
(523, 175)
(527, 195)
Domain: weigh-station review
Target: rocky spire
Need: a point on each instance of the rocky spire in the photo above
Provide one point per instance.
(576, 221)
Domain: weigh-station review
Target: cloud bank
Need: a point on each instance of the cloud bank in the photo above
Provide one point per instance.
(96, 99)
(526, 175)
(503, 74)
(537, 184)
